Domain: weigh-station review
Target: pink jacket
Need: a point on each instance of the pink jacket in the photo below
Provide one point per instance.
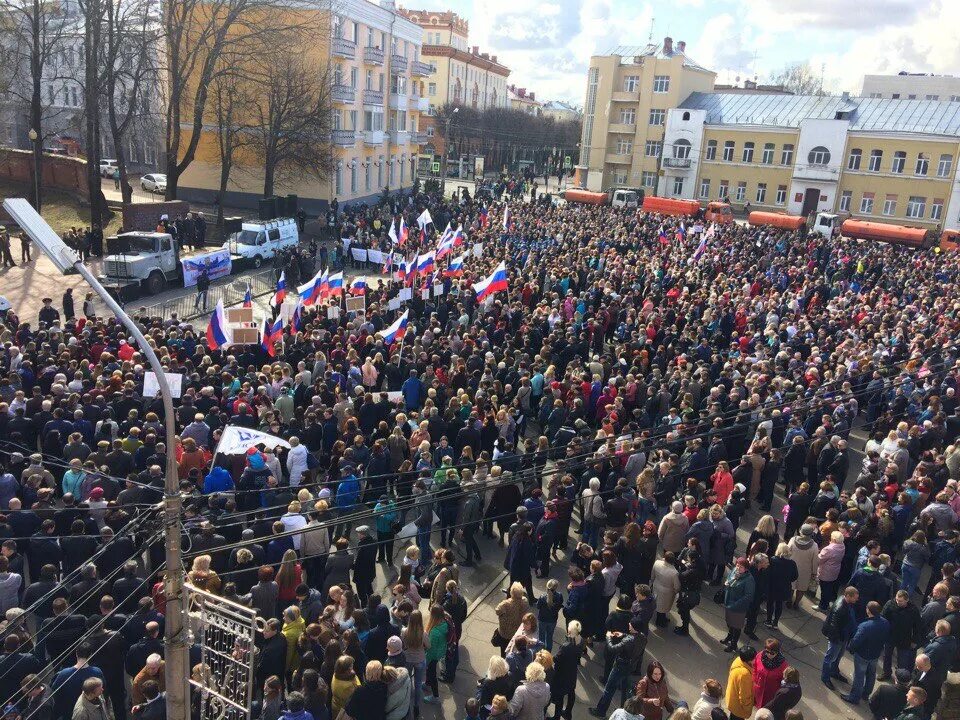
(830, 558)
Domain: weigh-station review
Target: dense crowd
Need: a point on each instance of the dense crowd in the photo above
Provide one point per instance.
(632, 402)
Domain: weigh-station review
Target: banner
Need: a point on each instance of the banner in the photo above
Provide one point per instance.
(216, 262)
(151, 388)
(375, 256)
(236, 440)
(359, 254)
(357, 304)
(478, 249)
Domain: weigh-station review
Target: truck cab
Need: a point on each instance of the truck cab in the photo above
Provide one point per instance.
(624, 197)
(259, 241)
(825, 225)
(718, 212)
(150, 259)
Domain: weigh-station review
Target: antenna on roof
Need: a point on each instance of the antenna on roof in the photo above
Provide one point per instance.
(650, 34)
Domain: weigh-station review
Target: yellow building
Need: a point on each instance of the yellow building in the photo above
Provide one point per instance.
(524, 100)
(629, 93)
(373, 56)
(873, 158)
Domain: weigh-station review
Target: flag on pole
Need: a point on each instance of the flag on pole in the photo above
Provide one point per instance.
(455, 269)
(388, 262)
(493, 284)
(458, 236)
(681, 232)
(711, 231)
(424, 219)
(392, 232)
(217, 330)
(445, 246)
(358, 287)
(314, 290)
(662, 236)
(426, 262)
(484, 219)
(397, 330)
(271, 334)
(236, 440)
(248, 298)
(506, 217)
(281, 293)
(404, 231)
(335, 286)
(701, 248)
(296, 322)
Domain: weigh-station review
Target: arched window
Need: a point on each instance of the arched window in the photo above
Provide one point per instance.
(819, 156)
(457, 91)
(686, 116)
(681, 149)
(475, 100)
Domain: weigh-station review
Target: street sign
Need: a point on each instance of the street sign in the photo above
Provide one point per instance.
(567, 162)
(435, 167)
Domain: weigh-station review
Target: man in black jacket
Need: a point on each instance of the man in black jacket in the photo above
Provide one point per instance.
(887, 701)
(365, 564)
(621, 647)
(838, 627)
(136, 658)
(271, 653)
(110, 651)
(905, 633)
(15, 666)
(58, 633)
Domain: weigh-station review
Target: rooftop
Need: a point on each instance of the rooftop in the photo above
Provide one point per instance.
(665, 50)
(929, 117)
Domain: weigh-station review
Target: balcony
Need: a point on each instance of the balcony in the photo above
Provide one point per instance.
(421, 69)
(679, 163)
(399, 137)
(622, 128)
(398, 101)
(373, 97)
(344, 138)
(344, 48)
(419, 138)
(624, 96)
(373, 137)
(398, 64)
(619, 158)
(373, 56)
(343, 94)
(420, 104)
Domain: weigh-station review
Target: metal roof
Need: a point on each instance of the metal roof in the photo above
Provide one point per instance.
(930, 117)
(654, 50)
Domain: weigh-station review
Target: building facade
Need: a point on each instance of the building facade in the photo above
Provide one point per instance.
(875, 159)
(629, 94)
(912, 86)
(561, 111)
(524, 100)
(374, 57)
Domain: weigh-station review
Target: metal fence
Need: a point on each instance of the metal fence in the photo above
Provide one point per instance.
(261, 282)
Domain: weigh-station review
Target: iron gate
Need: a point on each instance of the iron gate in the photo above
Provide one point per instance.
(225, 632)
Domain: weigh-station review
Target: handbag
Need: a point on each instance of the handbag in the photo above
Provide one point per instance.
(496, 640)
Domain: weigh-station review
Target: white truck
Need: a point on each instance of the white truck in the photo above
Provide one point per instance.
(826, 225)
(149, 260)
(258, 241)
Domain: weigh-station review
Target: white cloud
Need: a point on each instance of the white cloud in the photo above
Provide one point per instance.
(799, 15)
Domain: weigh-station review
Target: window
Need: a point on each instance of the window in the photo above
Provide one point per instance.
(781, 194)
(786, 157)
(748, 152)
(686, 116)
(353, 120)
(931, 97)
(916, 206)
(681, 149)
(393, 169)
(853, 162)
(705, 188)
(380, 172)
(372, 121)
(624, 146)
(728, 151)
(955, 98)
(845, 197)
(630, 83)
(761, 192)
(661, 83)
(899, 160)
(741, 191)
(945, 165)
(648, 179)
(620, 177)
(678, 186)
(354, 77)
(724, 190)
(819, 156)
(628, 116)
(711, 150)
(652, 148)
(890, 205)
(923, 165)
(911, 96)
(337, 120)
(936, 209)
(657, 117)
(876, 158)
(368, 81)
(895, 96)
(353, 178)
(366, 173)
(866, 203)
(767, 154)
(339, 179)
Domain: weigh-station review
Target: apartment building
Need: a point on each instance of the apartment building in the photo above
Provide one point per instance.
(374, 56)
(912, 86)
(873, 158)
(630, 91)
(561, 111)
(524, 100)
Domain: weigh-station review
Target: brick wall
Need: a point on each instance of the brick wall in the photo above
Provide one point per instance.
(145, 216)
(64, 173)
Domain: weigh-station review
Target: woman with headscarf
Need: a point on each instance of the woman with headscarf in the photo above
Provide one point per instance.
(737, 598)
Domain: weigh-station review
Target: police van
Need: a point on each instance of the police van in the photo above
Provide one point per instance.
(259, 241)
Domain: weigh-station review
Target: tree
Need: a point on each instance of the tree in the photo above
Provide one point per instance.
(230, 99)
(799, 79)
(93, 12)
(293, 120)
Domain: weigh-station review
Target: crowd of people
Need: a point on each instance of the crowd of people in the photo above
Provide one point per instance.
(612, 424)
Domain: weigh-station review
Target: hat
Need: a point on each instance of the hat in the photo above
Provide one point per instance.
(394, 646)
(36, 457)
(364, 530)
(902, 676)
(807, 530)
(96, 493)
(324, 494)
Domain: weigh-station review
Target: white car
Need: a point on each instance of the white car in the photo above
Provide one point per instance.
(107, 168)
(4, 305)
(154, 183)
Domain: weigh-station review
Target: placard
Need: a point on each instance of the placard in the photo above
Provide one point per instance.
(477, 249)
(357, 304)
(425, 294)
(217, 264)
(406, 294)
(346, 244)
(151, 388)
(333, 312)
(394, 304)
(359, 254)
(246, 336)
(395, 396)
(437, 290)
(240, 315)
(375, 256)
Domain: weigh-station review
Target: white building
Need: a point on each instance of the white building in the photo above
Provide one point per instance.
(912, 86)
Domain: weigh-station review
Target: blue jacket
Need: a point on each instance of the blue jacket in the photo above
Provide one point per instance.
(575, 605)
(738, 595)
(348, 492)
(217, 480)
(870, 637)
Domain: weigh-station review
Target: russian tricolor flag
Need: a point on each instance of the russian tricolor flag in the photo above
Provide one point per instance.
(397, 330)
(663, 236)
(248, 298)
(681, 232)
(404, 231)
(493, 284)
(445, 246)
(281, 293)
(358, 287)
(315, 290)
(271, 334)
(335, 286)
(217, 331)
(458, 236)
(296, 322)
(455, 269)
(426, 262)
(701, 248)
(483, 216)
(506, 217)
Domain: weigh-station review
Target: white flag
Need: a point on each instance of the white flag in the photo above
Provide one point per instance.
(424, 219)
(236, 440)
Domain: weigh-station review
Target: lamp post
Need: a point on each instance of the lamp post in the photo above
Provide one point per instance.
(446, 150)
(35, 139)
(177, 671)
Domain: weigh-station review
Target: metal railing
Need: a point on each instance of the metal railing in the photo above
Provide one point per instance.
(421, 68)
(344, 48)
(373, 55)
(671, 162)
(231, 290)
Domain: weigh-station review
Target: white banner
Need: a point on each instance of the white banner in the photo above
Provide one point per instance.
(151, 388)
(478, 249)
(237, 440)
(217, 264)
(359, 254)
(375, 256)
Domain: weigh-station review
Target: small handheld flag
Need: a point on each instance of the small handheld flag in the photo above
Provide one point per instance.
(397, 330)
(336, 284)
(281, 293)
(248, 298)
(217, 331)
(455, 269)
(426, 262)
(358, 287)
(296, 322)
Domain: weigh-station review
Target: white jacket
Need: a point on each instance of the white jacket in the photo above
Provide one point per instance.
(297, 463)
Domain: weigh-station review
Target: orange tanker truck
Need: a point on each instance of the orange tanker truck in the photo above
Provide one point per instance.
(885, 232)
(718, 212)
(781, 221)
(618, 197)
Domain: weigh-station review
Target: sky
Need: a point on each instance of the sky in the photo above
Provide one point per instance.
(547, 44)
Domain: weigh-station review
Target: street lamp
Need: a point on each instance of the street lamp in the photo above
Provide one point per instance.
(34, 139)
(177, 666)
(446, 150)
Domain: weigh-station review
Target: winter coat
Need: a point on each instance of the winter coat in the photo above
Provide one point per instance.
(870, 637)
(398, 696)
(906, 628)
(665, 583)
(723, 532)
(673, 531)
(740, 689)
(530, 701)
(739, 592)
(780, 578)
(767, 674)
(829, 560)
(510, 613)
(804, 553)
(702, 530)
(785, 698)
(297, 463)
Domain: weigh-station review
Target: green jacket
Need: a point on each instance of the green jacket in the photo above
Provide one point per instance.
(438, 642)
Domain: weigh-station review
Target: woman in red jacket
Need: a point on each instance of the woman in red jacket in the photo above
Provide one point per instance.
(768, 668)
(722, 481)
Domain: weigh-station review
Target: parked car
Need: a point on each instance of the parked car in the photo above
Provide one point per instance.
(107, 168)
(154, 183)
(4, 305)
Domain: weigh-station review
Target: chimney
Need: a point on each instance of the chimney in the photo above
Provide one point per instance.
(485, 56)
(533, 96)
(682, 46)
(476, 49)
(749, 85)
(845, 95)
(668, 46)
(493, 58)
